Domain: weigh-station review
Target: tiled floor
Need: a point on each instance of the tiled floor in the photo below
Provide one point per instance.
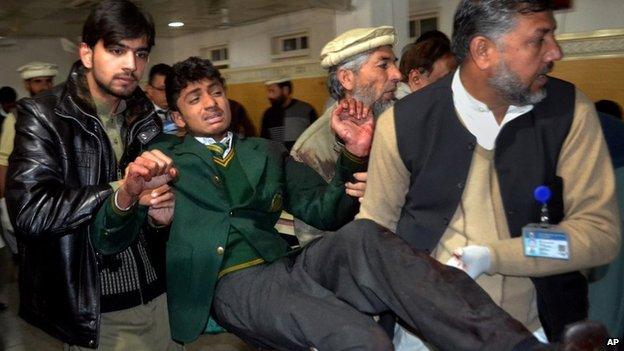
(17, 335)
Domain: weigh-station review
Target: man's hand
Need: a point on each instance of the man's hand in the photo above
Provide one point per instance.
(473, 259)
(353, 123)
(150, 170)
(358, 188)
(161, 202)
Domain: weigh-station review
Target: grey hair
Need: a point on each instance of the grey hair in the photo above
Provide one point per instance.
(354, 64)
(489, 18)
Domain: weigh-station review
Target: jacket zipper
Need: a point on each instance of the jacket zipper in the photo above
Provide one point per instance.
(119, 175)
(85, 129)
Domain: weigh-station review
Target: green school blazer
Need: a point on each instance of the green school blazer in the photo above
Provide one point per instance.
(204, 215)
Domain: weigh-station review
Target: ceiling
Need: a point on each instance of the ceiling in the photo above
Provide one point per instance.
(64, 18)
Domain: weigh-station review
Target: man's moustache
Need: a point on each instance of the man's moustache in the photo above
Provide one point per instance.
(548, 68)
(125, 76)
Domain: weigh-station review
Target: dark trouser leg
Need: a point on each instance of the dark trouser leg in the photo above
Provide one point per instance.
(277, 307)
(374, 271)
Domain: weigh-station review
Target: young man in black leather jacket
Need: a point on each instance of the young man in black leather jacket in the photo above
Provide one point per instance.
(72, 146)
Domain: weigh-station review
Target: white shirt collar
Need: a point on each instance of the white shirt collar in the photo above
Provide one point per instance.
(157, 108)
(478, 118)
(227, 141)
(402, 90)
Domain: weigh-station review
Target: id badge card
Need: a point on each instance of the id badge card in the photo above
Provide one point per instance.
(545, 241)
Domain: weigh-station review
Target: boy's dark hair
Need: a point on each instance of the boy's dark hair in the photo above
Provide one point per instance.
(7, 95)
(423, 54)
(162, 69)
(193, 69)
(116, 20)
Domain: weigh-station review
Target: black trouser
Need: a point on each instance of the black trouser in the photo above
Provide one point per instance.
(324, 298)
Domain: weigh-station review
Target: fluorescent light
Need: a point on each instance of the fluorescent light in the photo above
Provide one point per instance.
(176, 24)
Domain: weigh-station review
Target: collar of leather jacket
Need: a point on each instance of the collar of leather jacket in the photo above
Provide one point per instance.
(76, 99)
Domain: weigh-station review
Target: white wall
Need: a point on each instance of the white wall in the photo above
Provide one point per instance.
(584, 16)
(162, 52)
(590, 15)
(371, 13)
(250, 45)
(447, 11)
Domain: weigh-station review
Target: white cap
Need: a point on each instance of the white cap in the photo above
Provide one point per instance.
(38, 69)
(356, 41)
(277, 81)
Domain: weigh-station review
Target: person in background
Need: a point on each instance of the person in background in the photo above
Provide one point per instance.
(155, 91)
(287, 117)
(38, 77)
(8, 98)
(425, 62)
(241, 124)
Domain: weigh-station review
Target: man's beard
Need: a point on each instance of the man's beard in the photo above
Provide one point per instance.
(107, 89)
(279, 101)
(367, 95)
(511, 88)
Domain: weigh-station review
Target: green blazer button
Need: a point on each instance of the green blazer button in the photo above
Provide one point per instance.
(220, 250)
(216, 180)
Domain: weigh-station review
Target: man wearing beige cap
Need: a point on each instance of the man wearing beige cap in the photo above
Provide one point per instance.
(362, 65)
(287, 117)
(38, 77)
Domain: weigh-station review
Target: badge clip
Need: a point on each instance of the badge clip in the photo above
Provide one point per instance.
(542, 239)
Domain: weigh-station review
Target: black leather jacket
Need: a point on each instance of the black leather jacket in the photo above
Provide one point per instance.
(58, 177)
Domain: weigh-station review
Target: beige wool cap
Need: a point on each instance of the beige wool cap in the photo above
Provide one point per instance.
(277, 81)
(356, 41)
(38, 69)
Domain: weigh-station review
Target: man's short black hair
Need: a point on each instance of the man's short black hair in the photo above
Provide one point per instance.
(489, 18)
(116, 20)
(7, 95)
(193, 69)
(161, 69)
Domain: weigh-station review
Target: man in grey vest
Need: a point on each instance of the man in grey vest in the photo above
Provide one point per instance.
(454, 166)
